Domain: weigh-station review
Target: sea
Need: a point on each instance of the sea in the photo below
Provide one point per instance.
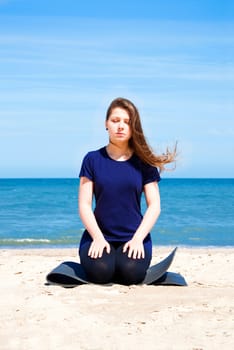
(43, 213)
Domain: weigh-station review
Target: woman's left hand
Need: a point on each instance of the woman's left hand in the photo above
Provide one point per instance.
(135, 248)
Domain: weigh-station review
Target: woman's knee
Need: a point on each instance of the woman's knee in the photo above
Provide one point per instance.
(131, 274)
(98, 270)
(129, 270)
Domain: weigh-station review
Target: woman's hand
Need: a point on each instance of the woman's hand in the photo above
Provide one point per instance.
(97, 247)
(135, 248)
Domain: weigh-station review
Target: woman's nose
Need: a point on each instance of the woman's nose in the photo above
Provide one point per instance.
(121, 124)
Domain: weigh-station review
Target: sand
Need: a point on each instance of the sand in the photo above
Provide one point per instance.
(37, 316)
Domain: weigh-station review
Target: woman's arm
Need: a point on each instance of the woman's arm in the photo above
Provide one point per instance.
(87, 216)
(135, 245)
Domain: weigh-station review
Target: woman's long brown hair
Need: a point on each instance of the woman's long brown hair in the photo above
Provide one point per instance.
(138, 142)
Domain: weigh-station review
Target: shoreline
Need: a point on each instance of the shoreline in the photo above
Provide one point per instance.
(40, 248)
(94, 317)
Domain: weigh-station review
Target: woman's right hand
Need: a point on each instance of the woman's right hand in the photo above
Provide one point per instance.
(97, 247)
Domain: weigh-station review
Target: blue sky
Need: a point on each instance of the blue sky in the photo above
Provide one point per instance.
(62, 62)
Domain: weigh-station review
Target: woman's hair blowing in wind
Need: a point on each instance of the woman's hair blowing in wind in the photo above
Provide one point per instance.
(138, 141)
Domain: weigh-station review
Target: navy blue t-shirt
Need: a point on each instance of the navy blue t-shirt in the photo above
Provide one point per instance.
(118, 187)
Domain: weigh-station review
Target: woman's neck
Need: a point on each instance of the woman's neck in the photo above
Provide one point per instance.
(119, 152)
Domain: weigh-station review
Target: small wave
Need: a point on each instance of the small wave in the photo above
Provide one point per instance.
(30, 240)
(36, 242)
(25, 240)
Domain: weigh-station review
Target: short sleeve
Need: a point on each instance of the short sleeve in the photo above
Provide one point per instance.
(150, 174)
(87, 167)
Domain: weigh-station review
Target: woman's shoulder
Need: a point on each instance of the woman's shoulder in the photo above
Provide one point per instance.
(149, 172)
(95, 153)
(90, 162)
(143, 165)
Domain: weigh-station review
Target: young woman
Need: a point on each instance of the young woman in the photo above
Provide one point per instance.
(116, 245)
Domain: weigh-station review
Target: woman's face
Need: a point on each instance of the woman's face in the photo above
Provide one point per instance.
(118, 125)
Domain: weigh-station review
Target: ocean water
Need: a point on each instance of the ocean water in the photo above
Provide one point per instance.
(43, 213)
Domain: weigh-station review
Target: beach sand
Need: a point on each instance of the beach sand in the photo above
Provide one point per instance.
(37, 316)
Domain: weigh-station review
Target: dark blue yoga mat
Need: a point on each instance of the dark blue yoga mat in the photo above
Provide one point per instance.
(71, 274)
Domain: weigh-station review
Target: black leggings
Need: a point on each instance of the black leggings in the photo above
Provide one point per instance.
(115, 266)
